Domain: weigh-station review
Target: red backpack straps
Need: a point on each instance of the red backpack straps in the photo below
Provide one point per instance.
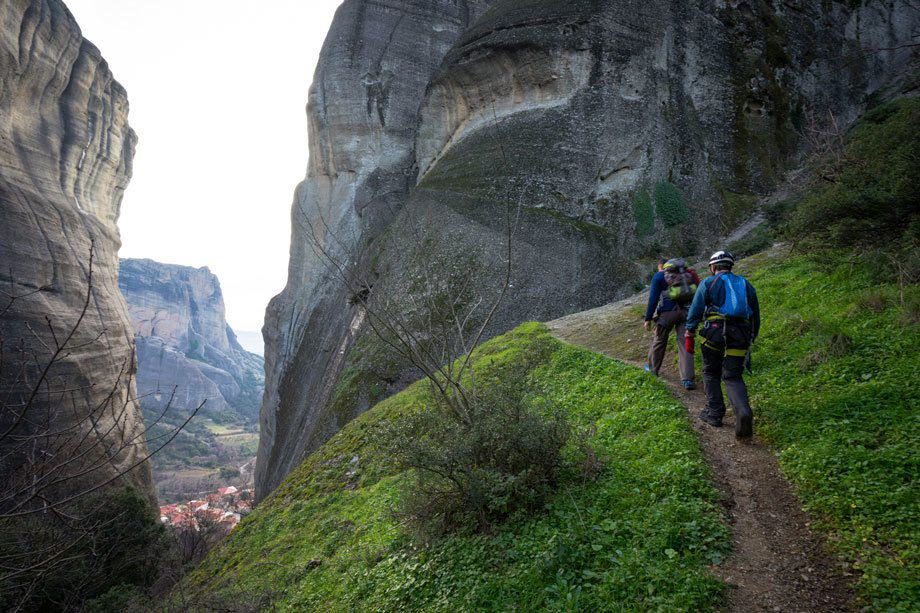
(709, 287)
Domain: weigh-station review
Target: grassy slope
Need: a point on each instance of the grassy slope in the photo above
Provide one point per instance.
(639, 538)
(843, 414)
(836, 392)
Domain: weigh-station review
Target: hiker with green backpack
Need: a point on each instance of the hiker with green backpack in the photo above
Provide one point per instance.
(726, 304)
(672, 290)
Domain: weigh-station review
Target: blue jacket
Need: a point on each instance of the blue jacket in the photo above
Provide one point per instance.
(659, 285)
(715, 297)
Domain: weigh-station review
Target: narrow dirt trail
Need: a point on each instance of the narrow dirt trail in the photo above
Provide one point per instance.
(777, 563)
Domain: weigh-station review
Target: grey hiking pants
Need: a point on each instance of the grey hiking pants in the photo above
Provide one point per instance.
(667, 321)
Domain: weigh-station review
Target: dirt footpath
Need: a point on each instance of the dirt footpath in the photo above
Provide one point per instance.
(777, 563)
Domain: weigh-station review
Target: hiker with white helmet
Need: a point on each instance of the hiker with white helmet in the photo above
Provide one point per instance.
(726, 305)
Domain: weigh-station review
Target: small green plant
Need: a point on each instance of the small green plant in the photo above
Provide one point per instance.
(473, 470)
(193, 346)
(229, 472)
(874, 301)
(909, 310)
(670, 205)
(643, 213)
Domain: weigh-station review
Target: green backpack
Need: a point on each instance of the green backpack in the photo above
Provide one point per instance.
(679, 279)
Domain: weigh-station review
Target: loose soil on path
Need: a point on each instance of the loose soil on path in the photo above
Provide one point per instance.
(777, 563)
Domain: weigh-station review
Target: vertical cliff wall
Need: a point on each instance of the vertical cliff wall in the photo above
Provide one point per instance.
(65, 160)
(184, 342)
(624, 128)
(374, 67)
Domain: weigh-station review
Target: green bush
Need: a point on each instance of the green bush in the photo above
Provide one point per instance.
(229, 472)
(642, 536)
(670, 205)
(119, 599)
(643, 213)
(474, 470)
(865, 194)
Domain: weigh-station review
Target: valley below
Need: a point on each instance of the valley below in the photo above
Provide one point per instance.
(189, 362)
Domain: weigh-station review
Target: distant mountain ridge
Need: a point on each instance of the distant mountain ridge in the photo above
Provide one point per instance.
(184, 343)
(251, 341)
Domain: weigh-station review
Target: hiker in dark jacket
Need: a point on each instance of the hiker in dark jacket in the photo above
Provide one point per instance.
(670, 294)
(726, 304)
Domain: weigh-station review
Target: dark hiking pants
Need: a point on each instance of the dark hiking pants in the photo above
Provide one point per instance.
(667, 321)
(718, 367)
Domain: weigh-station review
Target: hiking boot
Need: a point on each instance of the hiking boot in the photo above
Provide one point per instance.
(715, 422)
(688, 384)
(744, 426)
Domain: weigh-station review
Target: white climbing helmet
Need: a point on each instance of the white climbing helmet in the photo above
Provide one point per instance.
(722, 257)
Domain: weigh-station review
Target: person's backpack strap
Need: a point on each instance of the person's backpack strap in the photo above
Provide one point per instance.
(715, 279)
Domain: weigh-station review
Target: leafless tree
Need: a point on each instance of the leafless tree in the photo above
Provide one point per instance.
(476, 452)
(433, 307)
(57, 450)
(196, 539)
(826, 139)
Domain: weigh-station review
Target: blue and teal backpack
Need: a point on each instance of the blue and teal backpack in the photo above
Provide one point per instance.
(736, 304)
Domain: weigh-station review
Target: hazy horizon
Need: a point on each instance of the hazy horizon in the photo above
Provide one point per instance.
(218, 102)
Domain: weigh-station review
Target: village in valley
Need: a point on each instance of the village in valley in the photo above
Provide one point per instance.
(219, 511)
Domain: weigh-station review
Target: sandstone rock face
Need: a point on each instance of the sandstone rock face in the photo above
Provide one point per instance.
(65, 160)
(622, 127)
(184, 342)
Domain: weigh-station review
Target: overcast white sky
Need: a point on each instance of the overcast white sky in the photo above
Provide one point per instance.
(218, 90)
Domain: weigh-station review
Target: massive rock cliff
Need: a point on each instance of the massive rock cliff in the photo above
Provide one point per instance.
(65, 160)
(374, 67)
(622, 127)
(184, 343)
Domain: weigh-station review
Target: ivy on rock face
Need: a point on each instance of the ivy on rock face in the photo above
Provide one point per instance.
(670, 205)
(643, 213)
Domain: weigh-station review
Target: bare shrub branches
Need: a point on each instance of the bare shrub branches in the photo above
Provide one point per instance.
(826, 139)
(62, 445)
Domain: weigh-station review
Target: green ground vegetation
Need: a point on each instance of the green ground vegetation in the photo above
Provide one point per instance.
(639, 536)
(835, 391)
(865, 192)
(836, 383)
